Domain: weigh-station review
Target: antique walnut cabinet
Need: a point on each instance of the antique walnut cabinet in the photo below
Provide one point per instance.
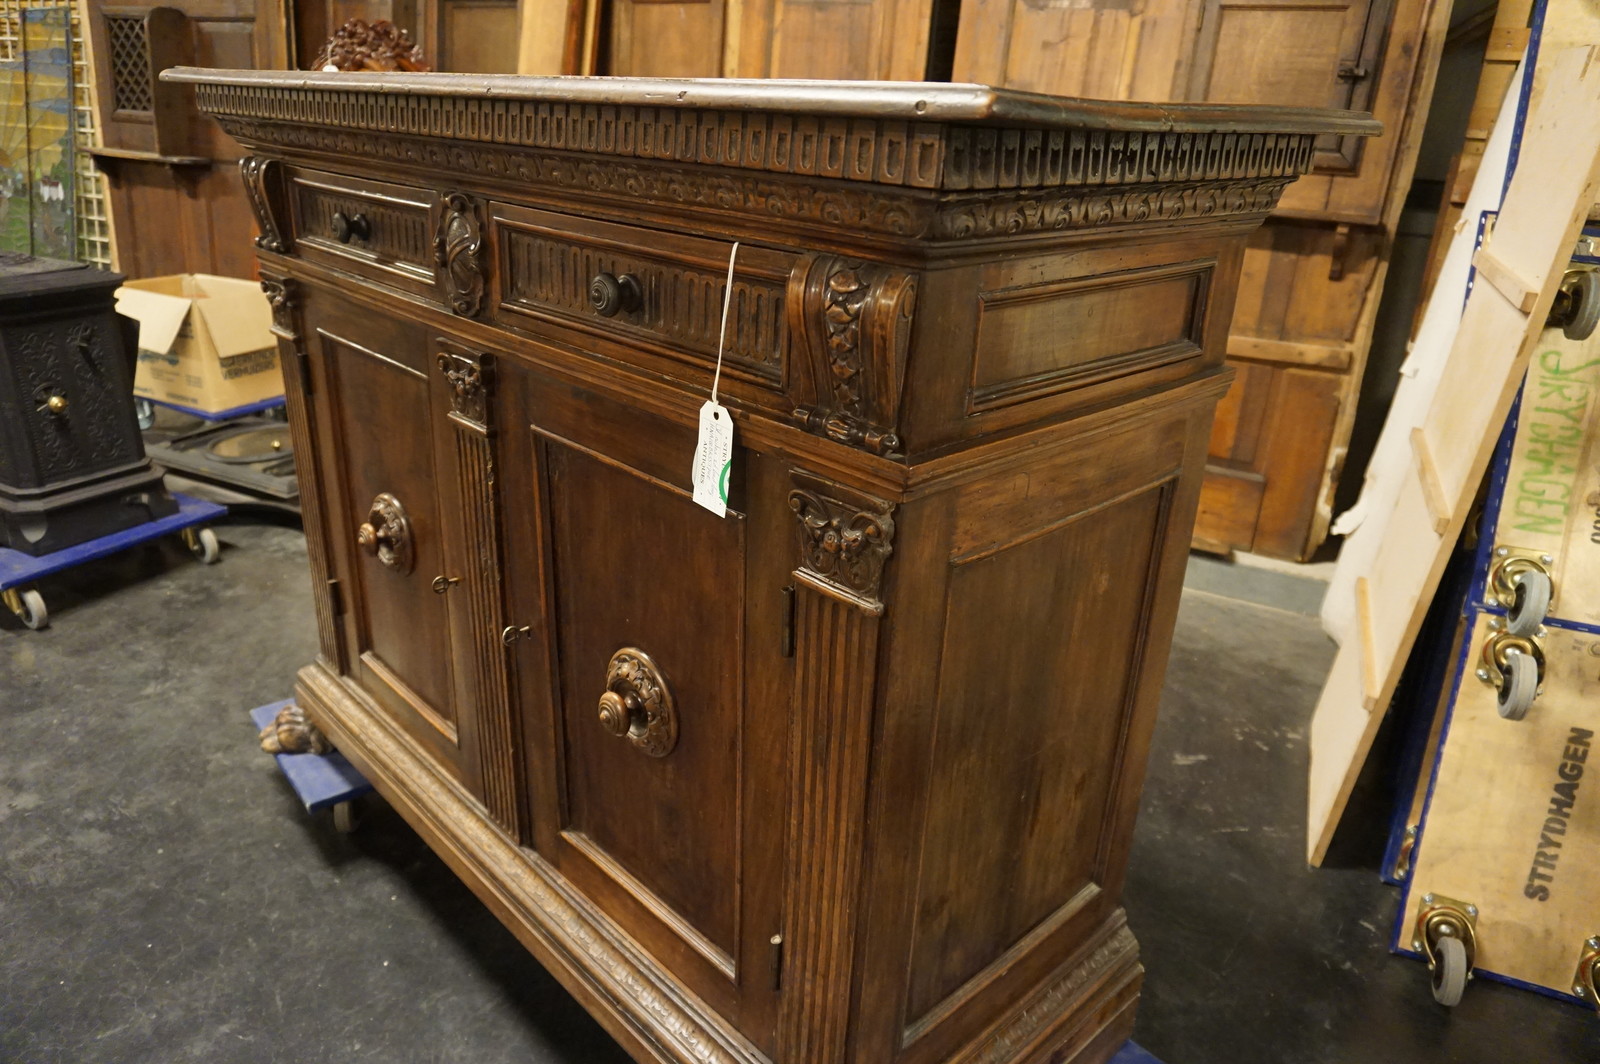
(849, 774)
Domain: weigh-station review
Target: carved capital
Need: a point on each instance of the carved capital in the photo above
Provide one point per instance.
(458, 253)
(844, 542)
(857, 329)
(466, 373)
(261, 186)
(284, 300)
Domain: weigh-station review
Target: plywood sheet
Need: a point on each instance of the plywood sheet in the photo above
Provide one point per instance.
(1544, 207)
(1550, 499)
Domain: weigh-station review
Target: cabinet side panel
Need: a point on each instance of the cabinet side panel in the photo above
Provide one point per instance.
(1040, 652)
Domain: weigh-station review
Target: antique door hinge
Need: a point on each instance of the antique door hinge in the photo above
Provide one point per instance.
(787, 641)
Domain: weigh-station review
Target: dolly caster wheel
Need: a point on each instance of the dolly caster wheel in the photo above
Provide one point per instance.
(1449, 971)
(29, 607)
(1531, 604)
(1520, 686)
(202, 543)
(1577, 306)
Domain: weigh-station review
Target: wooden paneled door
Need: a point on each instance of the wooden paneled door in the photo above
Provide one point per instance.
(656, 701)
(397, 524)
(1296, 53)
(176, 200)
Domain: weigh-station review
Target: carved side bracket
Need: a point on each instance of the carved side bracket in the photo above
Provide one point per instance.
(855, 324)
(466, 373)
(283, 299)
(261, 185)
(458, 252)
(844, 541)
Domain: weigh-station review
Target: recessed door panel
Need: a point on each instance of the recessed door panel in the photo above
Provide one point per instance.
(654, 695)
(391, 529)
(638, 565)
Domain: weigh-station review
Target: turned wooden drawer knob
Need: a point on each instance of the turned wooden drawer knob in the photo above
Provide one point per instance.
(636, 704)
(609, 294)
(350, 226)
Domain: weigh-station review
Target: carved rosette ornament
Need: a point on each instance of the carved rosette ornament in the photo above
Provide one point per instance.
(259, 184)
(458, 253)
(858, 331)
(464, 372)
(843, 545)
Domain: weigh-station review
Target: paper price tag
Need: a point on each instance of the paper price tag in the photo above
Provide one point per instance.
(713, 458)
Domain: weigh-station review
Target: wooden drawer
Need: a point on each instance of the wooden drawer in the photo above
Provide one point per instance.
(668, 297)
(379, 230)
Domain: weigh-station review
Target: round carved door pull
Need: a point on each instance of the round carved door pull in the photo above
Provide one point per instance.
(608, 293)
(636, 704)
(386, 535)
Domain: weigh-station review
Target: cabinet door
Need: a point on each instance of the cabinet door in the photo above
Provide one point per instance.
(393, 530)
(673, 827)
(1294, 53)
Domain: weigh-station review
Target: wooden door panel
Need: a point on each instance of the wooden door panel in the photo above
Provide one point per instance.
(666, 38)
(385, 443)
(1054, 737)
(1293, 53)
(683, 850)
(1106, 49)
(665, 826)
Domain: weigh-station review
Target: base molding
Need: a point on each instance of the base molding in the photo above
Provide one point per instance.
(621, 986)
(1083, 1012)
(1088, 1000)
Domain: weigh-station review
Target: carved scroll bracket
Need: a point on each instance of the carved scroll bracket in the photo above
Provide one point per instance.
(844, 542)
(856, 332)
(466, 373)
(261, 184)
(458, 252)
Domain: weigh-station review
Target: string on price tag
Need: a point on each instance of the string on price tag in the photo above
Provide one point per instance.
(713, 453)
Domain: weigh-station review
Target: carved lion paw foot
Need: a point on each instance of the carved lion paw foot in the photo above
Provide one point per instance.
(291, 733)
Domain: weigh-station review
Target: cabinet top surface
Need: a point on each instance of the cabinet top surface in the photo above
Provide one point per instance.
(908, 101)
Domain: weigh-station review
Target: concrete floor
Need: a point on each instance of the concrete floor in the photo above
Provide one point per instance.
(163, 898)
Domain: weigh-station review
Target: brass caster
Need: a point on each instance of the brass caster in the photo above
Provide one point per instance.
(1446, 934)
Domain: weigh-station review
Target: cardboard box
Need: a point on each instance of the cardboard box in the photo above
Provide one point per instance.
(205, 343)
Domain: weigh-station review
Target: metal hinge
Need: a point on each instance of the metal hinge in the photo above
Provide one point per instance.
(336, 598)
(1351, 72)
(302, 366)
(787, 642)
(777, 961)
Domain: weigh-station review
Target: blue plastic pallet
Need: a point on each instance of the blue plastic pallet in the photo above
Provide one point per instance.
(17, 568)
(320, 780)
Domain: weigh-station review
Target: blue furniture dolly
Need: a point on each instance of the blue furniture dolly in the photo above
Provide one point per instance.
(18, 570)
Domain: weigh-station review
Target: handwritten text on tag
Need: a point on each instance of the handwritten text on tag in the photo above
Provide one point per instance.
(713, 458)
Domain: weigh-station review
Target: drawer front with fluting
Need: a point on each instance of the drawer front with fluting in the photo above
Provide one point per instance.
(660, 292)
(379, 230)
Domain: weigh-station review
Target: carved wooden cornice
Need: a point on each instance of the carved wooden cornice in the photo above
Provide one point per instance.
(845, 539)
(1084, 150)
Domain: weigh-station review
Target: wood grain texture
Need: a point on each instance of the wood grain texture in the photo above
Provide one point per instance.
(282, 294)
(837, 641)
